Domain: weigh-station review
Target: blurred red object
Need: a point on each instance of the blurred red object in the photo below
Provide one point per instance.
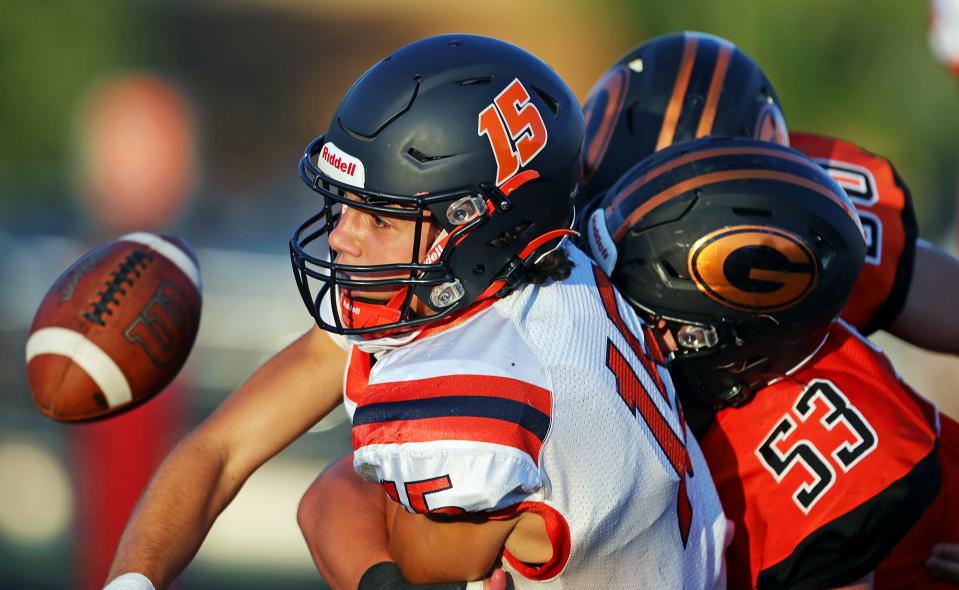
(112, 461)
(136, 136)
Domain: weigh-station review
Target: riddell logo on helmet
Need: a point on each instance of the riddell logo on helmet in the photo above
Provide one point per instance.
(338, 163)
(341, 166)
(601, 245)
(436, 250)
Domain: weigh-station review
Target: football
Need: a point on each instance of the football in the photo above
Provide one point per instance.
(115, 328)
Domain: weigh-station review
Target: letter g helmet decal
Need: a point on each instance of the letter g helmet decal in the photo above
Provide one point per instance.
(753, 268)
(740, 253)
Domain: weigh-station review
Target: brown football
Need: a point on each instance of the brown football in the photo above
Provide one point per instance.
(115, 328)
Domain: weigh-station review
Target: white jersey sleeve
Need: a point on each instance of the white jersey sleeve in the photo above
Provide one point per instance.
(450, 433)
(450, 477)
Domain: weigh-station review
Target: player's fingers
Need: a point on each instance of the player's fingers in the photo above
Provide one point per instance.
(946, 551)
(497, 581)
(943, 568)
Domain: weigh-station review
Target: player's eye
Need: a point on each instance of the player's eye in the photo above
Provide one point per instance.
(380, 222)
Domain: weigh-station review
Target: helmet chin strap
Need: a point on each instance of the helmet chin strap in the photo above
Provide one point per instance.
(366, 314)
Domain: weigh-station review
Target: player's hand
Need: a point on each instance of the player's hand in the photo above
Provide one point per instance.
(387, 576)
(496, 581)
(944, 562)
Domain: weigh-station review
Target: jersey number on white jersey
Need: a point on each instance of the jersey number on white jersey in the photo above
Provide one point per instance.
(639, 400)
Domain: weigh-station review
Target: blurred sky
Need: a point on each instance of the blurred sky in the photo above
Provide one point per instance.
(246, 84)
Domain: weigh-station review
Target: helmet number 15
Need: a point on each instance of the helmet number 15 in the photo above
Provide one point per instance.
(515, 129)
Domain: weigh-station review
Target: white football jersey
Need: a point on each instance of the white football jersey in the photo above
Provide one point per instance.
(546, 401)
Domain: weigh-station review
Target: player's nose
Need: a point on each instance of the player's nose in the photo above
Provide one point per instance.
(345, 236)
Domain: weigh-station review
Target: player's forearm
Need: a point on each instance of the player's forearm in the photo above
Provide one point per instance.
(432, 551)
(928, 318)
(343, 520)
(175, 513)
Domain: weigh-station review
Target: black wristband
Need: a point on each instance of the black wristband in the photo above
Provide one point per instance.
(387, 576)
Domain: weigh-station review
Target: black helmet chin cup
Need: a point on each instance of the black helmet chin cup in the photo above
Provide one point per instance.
(710, 387)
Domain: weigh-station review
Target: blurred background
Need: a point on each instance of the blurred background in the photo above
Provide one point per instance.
(189, 117)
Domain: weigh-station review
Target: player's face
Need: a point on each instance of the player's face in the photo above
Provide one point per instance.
(363, 238)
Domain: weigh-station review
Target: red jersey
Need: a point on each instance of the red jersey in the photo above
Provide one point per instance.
(905, 566)
(825, 470)
(888, 220)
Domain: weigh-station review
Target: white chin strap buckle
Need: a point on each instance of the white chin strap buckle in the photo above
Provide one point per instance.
(697, 337)
(466, 210)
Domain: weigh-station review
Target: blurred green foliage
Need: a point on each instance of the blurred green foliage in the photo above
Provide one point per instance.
(861, 71)
(50, 53)
(856, 70)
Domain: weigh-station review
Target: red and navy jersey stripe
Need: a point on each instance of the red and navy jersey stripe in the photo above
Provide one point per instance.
(481, 408)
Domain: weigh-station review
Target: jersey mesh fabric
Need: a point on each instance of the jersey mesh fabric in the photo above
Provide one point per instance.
(598, 467)
(905, 567)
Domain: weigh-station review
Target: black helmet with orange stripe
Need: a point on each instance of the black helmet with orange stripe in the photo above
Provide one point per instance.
(739, 252)
(672, 89)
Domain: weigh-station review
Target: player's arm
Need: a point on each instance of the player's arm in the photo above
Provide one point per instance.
(944, 562)
(203, 473)
(928, 318)
(343, 520)
(445, 549)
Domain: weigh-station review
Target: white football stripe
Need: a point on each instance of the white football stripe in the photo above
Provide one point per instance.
(90, 357)
(172, 253)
